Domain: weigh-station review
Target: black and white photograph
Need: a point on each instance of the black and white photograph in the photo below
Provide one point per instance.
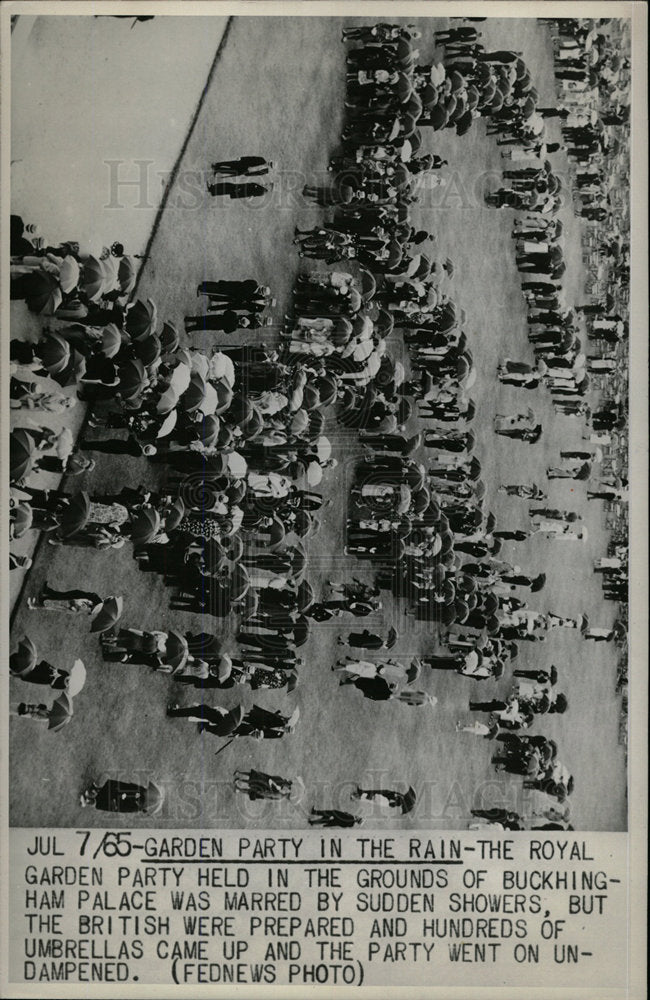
(324, 445)
(319, 421)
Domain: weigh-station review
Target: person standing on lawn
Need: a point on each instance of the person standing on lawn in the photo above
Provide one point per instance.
(245, 190)
(245, 166)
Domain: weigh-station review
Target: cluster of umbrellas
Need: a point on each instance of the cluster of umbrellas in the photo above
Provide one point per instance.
(24, 663)
(63, 275)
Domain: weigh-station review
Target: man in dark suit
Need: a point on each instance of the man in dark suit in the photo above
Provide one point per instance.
(245, 166)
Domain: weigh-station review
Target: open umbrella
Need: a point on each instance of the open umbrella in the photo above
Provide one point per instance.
(127, 273)
(304, 596)
(24, 659)
(153, 799)
(403, 499)
(167, 400)
(291, 722)
(21, 454)
(75, 679)
(314, 473)
(141, 318)
(384, 323)
(176, 650)
(428, 95)
(323, 449)
(302, 523)
(148, 349)
(145, 525)
(133, 378)
(229, 723)
(22, 517)
(237, 465)
(44, 296)
(75, 516)
(408, 800)
(111, 339)
(68, 274)
(106, 614)
(194, 394)
(239, 583)
(403, 88)
(326, 386)
(60, 713)
(93, 278)
(169, 338)
(367, 284)
(168, 424)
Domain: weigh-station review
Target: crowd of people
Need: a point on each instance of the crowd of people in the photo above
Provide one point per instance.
(239, 432)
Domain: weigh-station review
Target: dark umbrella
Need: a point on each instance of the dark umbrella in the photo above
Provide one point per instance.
(490, 524)
(75, 516)
(253, 425)
(300, 630)
(303, 522)
(54, 353)
(145, 525)
(24, 659)
(21, 518)
(173, 515)
(310, 397)
(384, 323)
(93, 277)
(327, 389)
(408, 800)
(429, 95)
(195, 393)
(239, 583)
(127, 274)
(44, 294)
(111, 340)
(133, 378)
(305, 596)
(140, 318)
(169, 338)
(538, 583)
(152, 800)
(60, 713)
(106, 614)
(229, 723)
(367, 284)
(213, 556)
(21, 454)
(176, 650)
(148, 349)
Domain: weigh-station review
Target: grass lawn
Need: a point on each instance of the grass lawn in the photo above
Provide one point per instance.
(278, 91)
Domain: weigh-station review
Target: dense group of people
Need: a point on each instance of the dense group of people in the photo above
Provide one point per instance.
(237, 433)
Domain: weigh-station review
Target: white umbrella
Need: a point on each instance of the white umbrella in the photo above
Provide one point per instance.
(76, 678)
(221, 366)
(406, 151)
(210, 400)
(293, 719)
(237, 465)
(68, 274)
(363, 350)
(180, 378)
(399, 373)
(437, 74)
(323, 449)
(314, 473)
(200, 364)
(470, 380)
(168, 424)
(413, 266)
